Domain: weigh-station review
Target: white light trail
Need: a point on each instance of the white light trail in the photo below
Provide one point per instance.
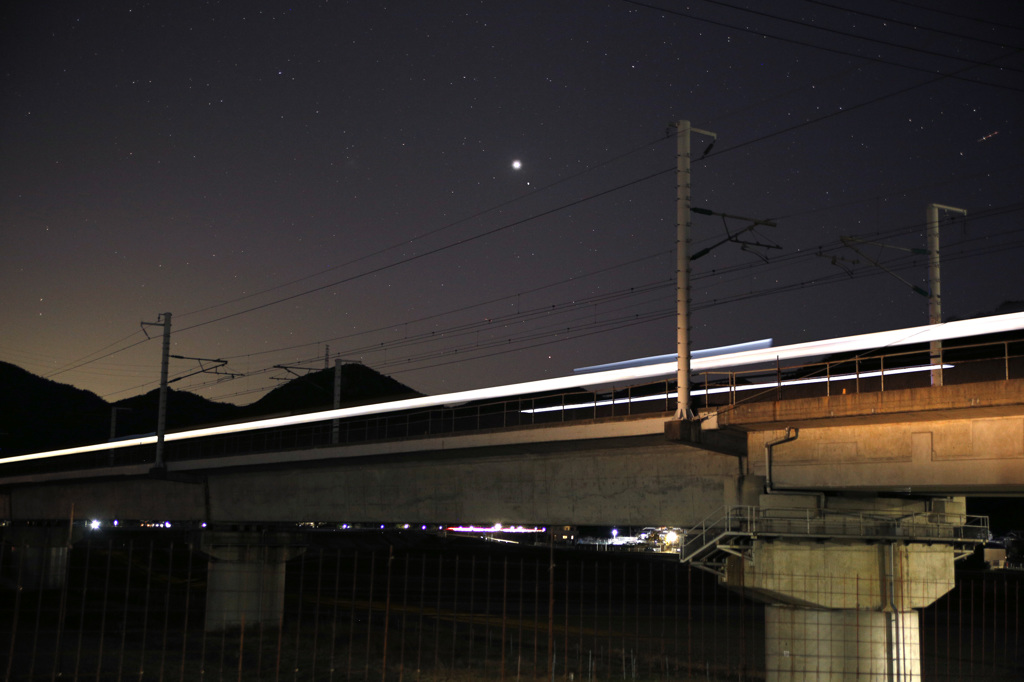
(912, 335)
(672, 357)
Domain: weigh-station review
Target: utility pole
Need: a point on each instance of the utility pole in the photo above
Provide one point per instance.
(336, 425)
(163, 320)
(935, 284)
(683, 132)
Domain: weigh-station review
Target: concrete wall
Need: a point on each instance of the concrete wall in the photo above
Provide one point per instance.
(963, 401)
(843, 575)
(634, 481)
(953, 456)
(653, 483)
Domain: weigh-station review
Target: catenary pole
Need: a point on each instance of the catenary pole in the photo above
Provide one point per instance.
(935, 284)
(683, 224)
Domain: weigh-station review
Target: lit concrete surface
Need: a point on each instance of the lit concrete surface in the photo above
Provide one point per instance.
(844, 609)
(246, 577)
(556, 479)
(966, 439)
(841, 646)
(931, 403)
(843, 575)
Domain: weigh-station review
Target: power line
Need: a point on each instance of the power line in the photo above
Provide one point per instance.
(956, 15)
(952, 34)
(435, 231)
(954, 75)
(462, 309)
(857, 37)
(507, 226)
(775, 262)
(431, 252)
(663, 172)
(82, 361)
(563, 332)
(89, 362)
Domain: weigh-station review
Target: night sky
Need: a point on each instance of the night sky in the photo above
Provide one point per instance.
(462, 194)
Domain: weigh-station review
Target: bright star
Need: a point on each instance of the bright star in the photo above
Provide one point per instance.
(517, 164)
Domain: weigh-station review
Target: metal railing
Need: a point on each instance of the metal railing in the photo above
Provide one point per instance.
(866, 373)
(993, 361)
(731, 523)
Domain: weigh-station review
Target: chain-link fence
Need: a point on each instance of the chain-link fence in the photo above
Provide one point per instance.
(135, 605)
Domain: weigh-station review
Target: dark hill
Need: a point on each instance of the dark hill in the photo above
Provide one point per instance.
(315, 391)
(138, 415)
(39, 414)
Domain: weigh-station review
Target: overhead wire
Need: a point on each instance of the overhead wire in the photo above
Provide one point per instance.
(83, 361)
(501, 228)
(430, 252)
(573, 203)
(954, 75)
(465, 308)
(878, 41)
(891, 20)
(509, 225)
(783, 260)
(956, 15)
(572, 329)
(429, 233)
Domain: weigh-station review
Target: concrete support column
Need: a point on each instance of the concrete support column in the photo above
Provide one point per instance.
(825, 645)
(41, 555)
(843, 607)
(246, 577)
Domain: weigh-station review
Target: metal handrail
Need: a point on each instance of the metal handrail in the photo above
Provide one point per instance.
(825, 371)
(801, 522)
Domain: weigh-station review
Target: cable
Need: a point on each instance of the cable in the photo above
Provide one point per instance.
(956, 15)
(908, 24)
(564, 333)
(668, 170)
(462, 309)
(89, 362)
(431, 252)
(720, 152)
(84, 357)
(523, 316)
(955, 74)
(857, 37)
(429, 233)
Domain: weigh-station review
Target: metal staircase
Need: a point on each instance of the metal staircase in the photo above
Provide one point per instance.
(731, 531)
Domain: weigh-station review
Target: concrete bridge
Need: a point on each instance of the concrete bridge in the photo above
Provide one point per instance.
(952, 440)
(611, 456)
(844, 511)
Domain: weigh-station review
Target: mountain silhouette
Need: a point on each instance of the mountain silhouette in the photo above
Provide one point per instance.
(38, 414)
(315, 391)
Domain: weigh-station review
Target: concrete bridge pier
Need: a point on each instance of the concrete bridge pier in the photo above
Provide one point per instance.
(842, 608)
(246, 577)
(832, 644)
(40, 555)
